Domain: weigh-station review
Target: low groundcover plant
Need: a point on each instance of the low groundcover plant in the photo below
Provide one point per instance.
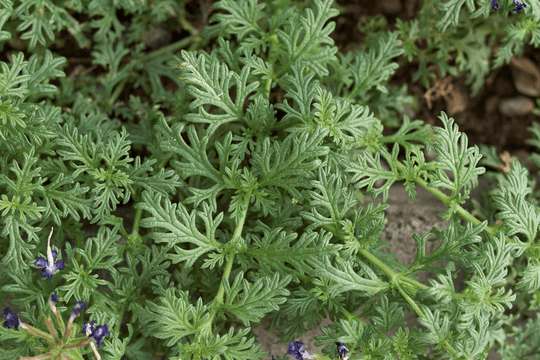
(244, 193)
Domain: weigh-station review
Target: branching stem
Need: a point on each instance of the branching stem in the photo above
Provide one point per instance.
(218, 300)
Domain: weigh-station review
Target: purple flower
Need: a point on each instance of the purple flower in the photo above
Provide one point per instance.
(295, 349)
(519, 6)
(98, 333)
(52, 300)
(518, 9)
(78, 308)
(12, 319)
(342, 350)
(49, 264)
(88, 327)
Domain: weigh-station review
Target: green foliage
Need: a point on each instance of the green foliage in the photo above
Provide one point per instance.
(467, 42)
(193, 194)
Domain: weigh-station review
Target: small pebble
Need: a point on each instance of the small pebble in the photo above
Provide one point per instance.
(516, 106)
(391, 7)
(526, 76)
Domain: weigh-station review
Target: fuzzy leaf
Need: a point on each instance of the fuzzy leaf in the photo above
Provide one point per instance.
(362, 170)
(290, 163)
(373, 68)
(451, 9)
(521, 216)
(241, 20)
(181, 227)
(459, 159)
(315, 49)
(449, 248)
(276, 248)
(10, 78)
(391, 316)
(211, 87)
(256, 300)
(345, 278)
(79, 282)
(172, 317)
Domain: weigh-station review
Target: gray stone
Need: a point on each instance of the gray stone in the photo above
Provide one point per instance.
(526, 76)
(516, 106)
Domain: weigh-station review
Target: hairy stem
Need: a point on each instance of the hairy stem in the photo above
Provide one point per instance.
(464, 214)
(218, 300)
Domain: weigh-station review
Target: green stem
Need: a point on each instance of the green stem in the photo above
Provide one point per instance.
(355, 317)
(389, 272)
(117, 91)
(466, 296)
(218, 300)
(421, 314)
(395, 280)
(268, 88)
(413, 282)
(464, 214)
(393, 276)
(169, 49)
(138, 214)
(410, 301)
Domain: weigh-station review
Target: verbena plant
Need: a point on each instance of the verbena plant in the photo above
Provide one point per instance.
(247, 185)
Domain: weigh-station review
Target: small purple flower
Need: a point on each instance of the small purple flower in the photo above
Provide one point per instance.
(52, 300)
(295, 349)
(518, 9)
(49, 264)
(342, 350)
(519, 6)
(12, 319)
(88, 328)
(78, 308)
(98, 333)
